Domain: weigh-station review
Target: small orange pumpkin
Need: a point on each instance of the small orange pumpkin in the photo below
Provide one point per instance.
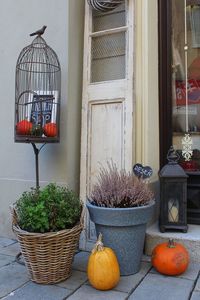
(103, 268)
(170, 258)
(50, 129)
(24, 127)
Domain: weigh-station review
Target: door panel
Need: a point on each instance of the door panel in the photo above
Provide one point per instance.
(107, 104)
(106, 136)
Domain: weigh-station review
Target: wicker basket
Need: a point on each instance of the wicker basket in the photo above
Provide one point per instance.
(104, 5)
(48, 256)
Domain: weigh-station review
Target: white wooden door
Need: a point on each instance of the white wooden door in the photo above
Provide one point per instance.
(107, 103)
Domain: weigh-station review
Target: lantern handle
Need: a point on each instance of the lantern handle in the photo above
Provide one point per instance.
(172, 156)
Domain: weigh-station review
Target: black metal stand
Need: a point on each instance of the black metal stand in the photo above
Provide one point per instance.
(19, 259)
(37, 151)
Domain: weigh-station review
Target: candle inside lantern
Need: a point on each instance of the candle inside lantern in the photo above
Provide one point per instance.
(173, 210)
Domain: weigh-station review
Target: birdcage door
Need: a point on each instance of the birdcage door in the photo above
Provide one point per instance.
(107, 104)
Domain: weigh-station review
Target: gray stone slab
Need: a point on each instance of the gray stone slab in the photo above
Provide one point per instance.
(128, 283)
(155, 287)
(87, 292)
(39, 292)
(4, 242)
(197, 286)
(80, 261)
(191, 239)
(146, 258)
(12, 250)
(12, 277)
(191, 273)
(5, 260)
(195, 295)
(75, 281)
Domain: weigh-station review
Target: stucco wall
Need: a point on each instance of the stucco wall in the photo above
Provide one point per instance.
(146, 84)
(58, 162)
(146, 90)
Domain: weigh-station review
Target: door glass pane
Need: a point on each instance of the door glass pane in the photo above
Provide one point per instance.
(108, 20)
(186, 73)
(108, 57)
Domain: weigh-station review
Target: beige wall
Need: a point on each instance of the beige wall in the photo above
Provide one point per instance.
(146, 90)
(58, 162)
(146, 85)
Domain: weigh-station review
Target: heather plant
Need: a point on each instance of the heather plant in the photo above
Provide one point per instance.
(118, 188)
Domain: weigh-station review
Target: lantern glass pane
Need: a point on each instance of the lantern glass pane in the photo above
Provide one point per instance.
(173, 210)
(174, 197)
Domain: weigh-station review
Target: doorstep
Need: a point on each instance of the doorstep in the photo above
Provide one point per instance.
(191, 239)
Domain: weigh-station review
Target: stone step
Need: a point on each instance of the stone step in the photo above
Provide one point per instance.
(191, 239)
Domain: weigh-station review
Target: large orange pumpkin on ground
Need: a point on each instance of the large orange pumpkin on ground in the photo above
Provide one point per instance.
(170, 258)
(103, 268)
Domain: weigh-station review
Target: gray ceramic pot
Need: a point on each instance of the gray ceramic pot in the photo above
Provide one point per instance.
(123, 230)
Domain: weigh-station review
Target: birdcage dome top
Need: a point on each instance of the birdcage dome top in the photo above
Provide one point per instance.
(39, 42)
(38, 57)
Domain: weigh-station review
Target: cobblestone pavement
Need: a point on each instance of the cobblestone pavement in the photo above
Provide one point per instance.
(145, 285)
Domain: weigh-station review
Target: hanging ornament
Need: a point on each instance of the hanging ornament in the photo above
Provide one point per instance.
(187, 139)
(187, 147)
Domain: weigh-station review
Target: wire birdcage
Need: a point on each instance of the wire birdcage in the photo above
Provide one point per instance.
(104, 5)
(37, 93)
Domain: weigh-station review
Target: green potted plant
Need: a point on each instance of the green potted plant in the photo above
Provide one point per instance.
(120, 205)
(48, 222)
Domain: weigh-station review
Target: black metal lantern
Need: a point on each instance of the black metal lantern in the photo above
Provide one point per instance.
(173, 195)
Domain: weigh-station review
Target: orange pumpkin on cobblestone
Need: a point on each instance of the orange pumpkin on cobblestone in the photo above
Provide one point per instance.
(170, 258)
(103, 268)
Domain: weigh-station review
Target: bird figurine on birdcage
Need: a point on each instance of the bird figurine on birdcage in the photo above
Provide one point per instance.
(37, 92)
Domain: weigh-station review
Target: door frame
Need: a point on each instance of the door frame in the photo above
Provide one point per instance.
(165, 78)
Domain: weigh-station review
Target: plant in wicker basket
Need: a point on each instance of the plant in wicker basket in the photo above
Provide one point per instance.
(120, 204)
(48, 222)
